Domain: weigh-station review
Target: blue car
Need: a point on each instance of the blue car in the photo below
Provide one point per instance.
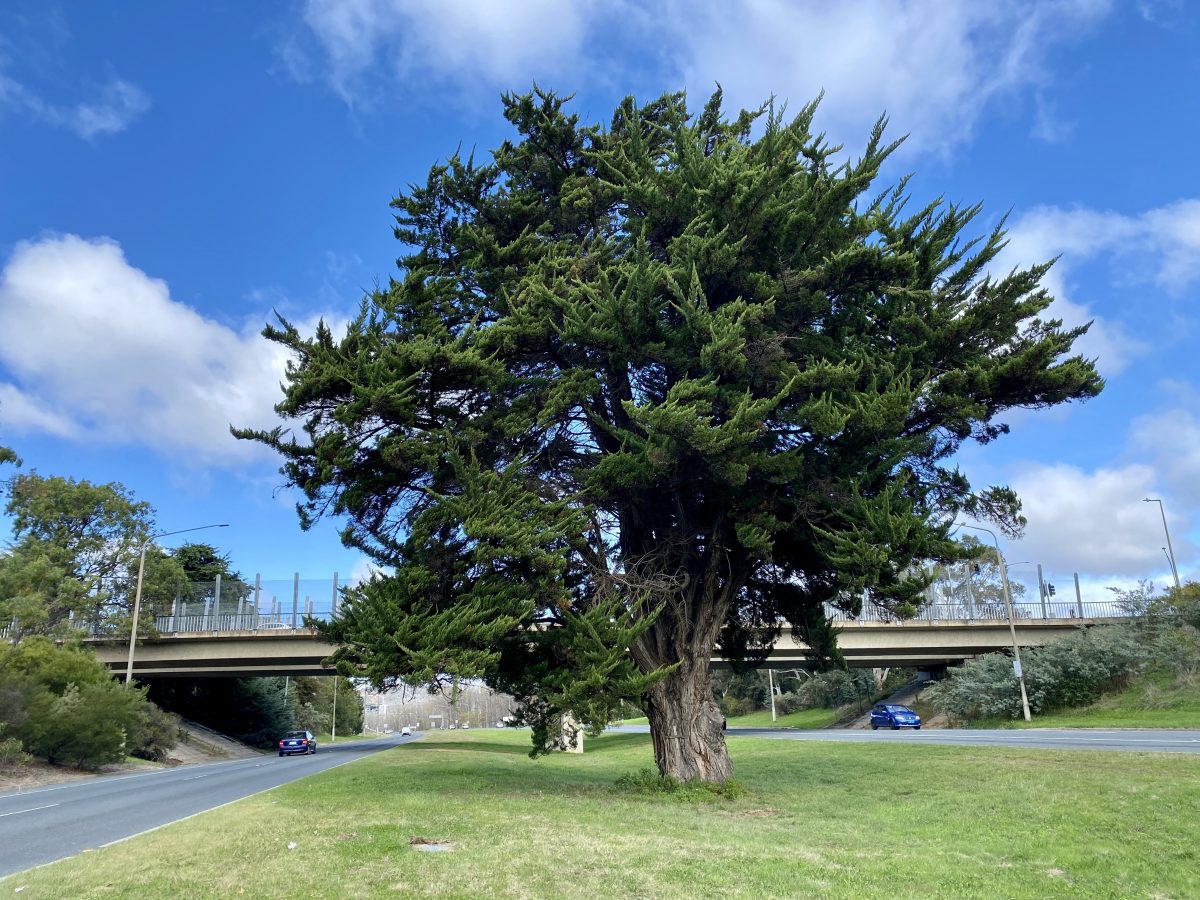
(297, 742)
(888, 715)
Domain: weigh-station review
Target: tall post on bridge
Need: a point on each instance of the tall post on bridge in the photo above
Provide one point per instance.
(295, 598)
(333, 606)
(216, 607)
(1078, 595)
(1042, 590)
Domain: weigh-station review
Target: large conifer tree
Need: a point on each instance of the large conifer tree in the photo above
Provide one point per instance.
(646, 393)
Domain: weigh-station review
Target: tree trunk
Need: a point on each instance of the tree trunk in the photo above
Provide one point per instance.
(686, 726)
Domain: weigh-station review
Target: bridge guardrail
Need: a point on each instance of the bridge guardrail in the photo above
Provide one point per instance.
(278, 619)
(990, 611)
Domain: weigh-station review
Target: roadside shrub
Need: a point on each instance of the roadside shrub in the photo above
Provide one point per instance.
(86, 726)
(736, 706)
(1071, 672)
(159, 734)
(12, 753)
(789, 703)
(837, 687)
(64, 706)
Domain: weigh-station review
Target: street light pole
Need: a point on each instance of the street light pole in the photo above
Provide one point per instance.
(1167, 531)
(1008, 608)
(137, 594)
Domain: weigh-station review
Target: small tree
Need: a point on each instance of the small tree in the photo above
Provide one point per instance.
(644, 394)
(74, 556)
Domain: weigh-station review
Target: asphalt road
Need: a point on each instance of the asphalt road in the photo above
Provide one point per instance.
(1043, 738)
(41, 825)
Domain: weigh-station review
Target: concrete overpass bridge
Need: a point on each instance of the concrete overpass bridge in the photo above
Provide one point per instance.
(243, 645)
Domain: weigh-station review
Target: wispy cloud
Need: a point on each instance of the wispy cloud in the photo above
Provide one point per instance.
(1160, 247)
(115, 106)
(937, 70)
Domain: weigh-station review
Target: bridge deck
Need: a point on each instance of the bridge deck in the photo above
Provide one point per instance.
(917, 643)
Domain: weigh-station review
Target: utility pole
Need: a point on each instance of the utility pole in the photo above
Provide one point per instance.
(771, 687)
(333, 727)
(1167, 532)
(1011, 626)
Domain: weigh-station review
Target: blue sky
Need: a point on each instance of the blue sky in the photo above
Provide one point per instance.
(170, 173)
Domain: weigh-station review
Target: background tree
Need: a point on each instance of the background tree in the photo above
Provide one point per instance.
(73, 558)
(974, 582)
(201, 564)
(646, 393)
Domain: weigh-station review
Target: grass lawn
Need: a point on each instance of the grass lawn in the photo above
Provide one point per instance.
(816, 820)
(804, 718)
(1153, 702)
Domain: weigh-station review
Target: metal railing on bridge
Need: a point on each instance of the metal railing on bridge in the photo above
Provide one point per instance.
(990, 611)
(275, 606)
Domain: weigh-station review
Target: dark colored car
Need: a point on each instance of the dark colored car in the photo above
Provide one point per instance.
(297, 742)
(891, 716)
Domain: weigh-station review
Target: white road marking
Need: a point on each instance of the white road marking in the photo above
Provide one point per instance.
(31, 809)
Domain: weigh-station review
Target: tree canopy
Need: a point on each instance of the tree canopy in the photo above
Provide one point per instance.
(73, 559)
(643, 393)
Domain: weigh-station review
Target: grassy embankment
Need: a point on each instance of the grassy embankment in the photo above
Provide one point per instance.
(816, 819)
(1151, 702)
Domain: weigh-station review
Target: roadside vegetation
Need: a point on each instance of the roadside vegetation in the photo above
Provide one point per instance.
(1144, 674)
(60, 705)
(803, 699)
(807, 819)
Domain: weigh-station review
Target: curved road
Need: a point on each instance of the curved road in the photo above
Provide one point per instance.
(41, 825)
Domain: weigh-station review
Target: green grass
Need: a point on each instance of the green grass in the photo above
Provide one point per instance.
(815, 819)
(1152, 702)
(326, 738)
(805, 718)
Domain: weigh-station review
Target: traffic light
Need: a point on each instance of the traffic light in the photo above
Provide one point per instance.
(1050, 589)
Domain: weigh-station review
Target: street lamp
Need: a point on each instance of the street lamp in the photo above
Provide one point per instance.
(137, 594)
(1167, 531)
(1008, 608)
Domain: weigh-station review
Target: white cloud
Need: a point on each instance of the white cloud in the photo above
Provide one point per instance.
(1160, 246)
(1171, 438)
(1095, 523)
(471, 43)
(936, 69)
(115, 107)
(96, 349)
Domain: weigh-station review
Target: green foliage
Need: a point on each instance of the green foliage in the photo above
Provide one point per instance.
(739, 693)
(159, 734)
(1069, 672)
(202, 563)
(64, 706)
(12, 753)
(86, 726)
(638, 390)
(829, 690)
(647, 782)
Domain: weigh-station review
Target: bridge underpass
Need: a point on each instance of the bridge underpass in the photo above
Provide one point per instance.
(919, 643)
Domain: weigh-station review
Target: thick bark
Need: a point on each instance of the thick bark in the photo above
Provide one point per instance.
(685, 726)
